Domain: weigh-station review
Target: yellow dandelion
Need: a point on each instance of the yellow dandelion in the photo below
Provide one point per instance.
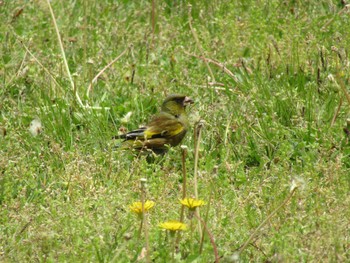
(136, 207)
(173, 225)
(192, 203)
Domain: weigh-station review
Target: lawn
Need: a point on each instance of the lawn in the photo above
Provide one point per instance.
(268, 149)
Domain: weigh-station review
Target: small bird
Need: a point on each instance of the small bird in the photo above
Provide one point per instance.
(165, 129)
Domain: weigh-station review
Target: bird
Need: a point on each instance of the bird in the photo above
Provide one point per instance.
(165, 129)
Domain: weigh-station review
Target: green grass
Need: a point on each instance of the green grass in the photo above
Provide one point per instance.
(65, 194)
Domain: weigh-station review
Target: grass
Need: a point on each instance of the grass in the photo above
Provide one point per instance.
(270, 82)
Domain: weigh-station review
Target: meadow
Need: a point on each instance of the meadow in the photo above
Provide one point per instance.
(267, 152)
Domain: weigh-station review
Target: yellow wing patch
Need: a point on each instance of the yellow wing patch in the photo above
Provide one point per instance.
(168, 128)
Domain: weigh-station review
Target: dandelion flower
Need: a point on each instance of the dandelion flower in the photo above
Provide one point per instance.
(192, 203)
(173, 225)
(136, 207)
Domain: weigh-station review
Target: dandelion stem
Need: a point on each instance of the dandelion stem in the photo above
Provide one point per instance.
(173, 246)
(144, 218)
(184, 189)
(198, 133)
(210, 237)
(140, 228)
(208, 208)
(191, 225)
(206, 219)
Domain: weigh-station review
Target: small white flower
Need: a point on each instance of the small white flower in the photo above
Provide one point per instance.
(330, 77)
(35, 127)
(143, 180)
(234, 257)
(126, 118)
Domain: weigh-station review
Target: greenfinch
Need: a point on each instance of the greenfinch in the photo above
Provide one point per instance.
(166, 129)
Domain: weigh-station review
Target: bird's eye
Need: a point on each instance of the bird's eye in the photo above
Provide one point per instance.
(176, 116)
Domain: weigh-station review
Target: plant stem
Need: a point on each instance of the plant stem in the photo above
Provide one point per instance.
(267, 219)
(144, 218)
(64, 56)
(184, 188)
(197, 41)
(215, 172)
(197, 135)
(210, 237)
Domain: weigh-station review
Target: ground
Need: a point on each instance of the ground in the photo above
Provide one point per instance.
(270, 83)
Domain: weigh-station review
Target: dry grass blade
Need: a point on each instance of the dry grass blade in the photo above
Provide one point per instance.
(94, 80)
(216, 63)
(37, 61)
(64, 56)
(197, 41)
(343, 87)
(291, 194)
(346, 7)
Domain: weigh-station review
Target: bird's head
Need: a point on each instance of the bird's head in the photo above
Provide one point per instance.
(176, 104)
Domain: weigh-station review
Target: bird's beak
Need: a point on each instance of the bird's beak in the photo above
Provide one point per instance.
(187, 101)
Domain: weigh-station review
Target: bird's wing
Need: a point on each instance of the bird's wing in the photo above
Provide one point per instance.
(136, 134)
(132, 135)
(162, 128)
(163, 125)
